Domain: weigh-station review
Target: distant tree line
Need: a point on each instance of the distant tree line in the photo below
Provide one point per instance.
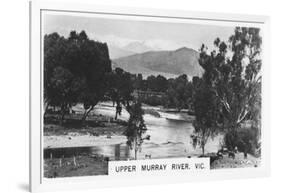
(175, 92)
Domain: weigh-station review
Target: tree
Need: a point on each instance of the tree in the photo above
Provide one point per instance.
(64, 90)
(61, 86)
(138, 81)
(136, 128)
(233, 72)
(73, 61)
(207, 116)
(89, 59)
(121, 89)
(179, 93)
(54, 51)
(157, 84)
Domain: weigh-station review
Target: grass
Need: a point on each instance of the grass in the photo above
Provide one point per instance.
(238, 162)
(85, 166)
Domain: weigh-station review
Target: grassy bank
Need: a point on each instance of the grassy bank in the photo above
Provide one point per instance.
(81, 166)
(238, 162)
(98, 165)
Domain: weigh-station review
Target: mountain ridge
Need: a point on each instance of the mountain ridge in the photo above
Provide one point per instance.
(169, 63)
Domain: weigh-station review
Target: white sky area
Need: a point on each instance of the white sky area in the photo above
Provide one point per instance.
(156, 35)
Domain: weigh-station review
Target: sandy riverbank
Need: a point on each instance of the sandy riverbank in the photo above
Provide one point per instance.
(101, 127)
(56, 136)
(99, 130)
(77, 140)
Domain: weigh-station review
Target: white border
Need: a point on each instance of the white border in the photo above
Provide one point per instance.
(37, 183)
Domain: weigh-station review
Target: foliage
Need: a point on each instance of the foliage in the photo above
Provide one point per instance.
(170, 93)
(245, 139)
(136, 128)
(75, 70)
(120, 88)
(157, 84)
(207, 116)
(233, 72)
(153, 100)
(179, 93)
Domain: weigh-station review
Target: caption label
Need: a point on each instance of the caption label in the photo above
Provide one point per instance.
(158, 166)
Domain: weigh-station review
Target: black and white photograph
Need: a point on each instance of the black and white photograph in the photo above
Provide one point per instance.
(117, 88)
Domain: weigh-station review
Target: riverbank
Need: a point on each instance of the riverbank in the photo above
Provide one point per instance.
(76, 140)
(99, 129)
(86, 165)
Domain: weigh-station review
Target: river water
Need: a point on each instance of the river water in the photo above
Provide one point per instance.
(169, 137)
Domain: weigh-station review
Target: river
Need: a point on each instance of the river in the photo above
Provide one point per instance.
(169, 137)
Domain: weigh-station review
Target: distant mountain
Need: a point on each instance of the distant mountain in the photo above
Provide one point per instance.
(116, 52)
(166, 63)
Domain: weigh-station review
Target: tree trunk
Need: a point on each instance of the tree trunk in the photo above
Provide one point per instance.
(62, 117)
(62, 111)
(46, 108)
(128, 107)
(136, 153)
(85, 115)
(203, 142)
(136, 150)
(116, 115)
(116, 109)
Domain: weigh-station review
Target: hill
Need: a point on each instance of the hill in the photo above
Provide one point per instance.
(166, 63)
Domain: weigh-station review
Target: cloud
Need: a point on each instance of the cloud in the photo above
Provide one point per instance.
(154, 44)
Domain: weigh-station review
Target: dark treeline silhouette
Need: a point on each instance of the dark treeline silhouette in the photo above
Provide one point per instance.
(171, 93)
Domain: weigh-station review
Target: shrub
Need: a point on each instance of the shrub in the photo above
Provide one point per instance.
(245, 139)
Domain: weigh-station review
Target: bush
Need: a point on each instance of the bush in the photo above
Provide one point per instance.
(153, 101)
(245, 139)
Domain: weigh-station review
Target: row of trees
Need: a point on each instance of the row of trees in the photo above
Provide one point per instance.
(151, 83)
(179, 93)
(175, 92)
(229, 92)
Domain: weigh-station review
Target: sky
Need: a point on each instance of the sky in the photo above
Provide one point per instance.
(121, 32)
